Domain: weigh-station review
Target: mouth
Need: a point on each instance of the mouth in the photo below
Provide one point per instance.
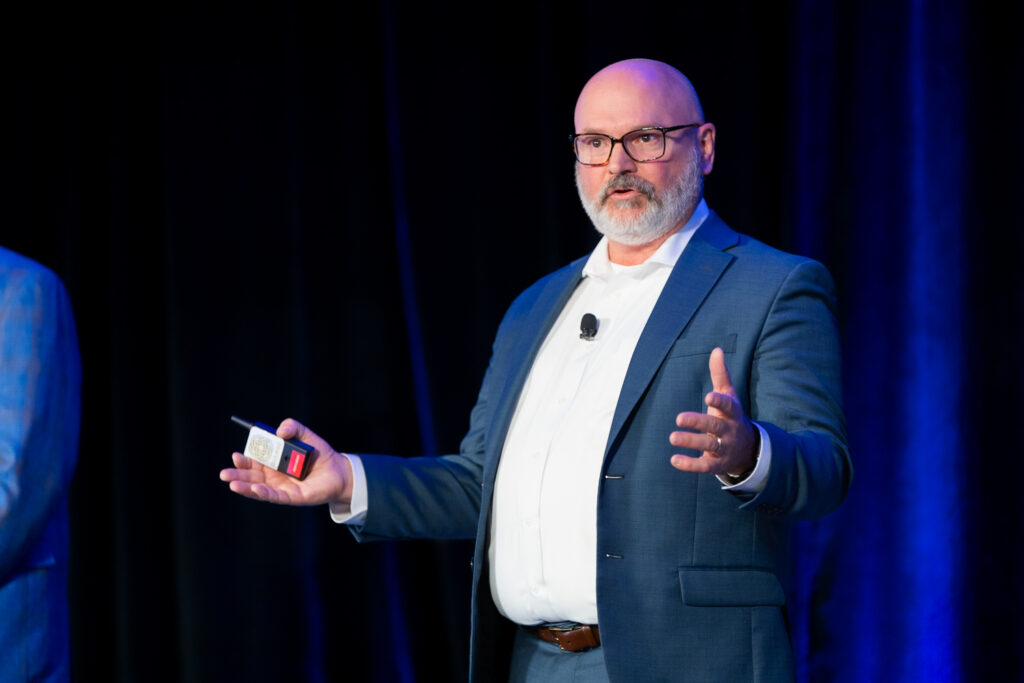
(627, 190)
(622, 194)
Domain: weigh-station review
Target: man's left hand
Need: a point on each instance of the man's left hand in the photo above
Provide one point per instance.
(724, 434)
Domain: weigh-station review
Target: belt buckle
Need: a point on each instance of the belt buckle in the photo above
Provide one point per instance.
(564, 629)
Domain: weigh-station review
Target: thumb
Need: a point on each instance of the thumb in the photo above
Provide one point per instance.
(296, 431)
(720, 379)
(291, 429)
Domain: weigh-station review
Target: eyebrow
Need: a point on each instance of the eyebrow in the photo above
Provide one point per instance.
(646, 125)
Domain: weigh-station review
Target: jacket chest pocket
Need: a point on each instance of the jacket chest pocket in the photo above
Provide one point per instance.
(702, 345)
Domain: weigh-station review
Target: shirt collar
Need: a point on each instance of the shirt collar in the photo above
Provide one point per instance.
(667, 254)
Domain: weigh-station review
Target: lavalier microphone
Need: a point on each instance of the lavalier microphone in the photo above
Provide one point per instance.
(588, 326)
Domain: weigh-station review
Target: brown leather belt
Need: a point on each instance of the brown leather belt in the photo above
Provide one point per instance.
(579, 638)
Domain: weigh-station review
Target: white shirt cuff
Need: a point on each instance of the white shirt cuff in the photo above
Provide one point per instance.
(355, 512)
(755, 482)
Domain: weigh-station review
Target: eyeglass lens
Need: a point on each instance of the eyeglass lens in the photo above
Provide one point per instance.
(641, 145)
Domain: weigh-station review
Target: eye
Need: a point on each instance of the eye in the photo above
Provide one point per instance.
(593, 141)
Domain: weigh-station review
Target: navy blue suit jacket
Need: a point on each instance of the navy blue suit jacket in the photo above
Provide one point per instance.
(687, 585)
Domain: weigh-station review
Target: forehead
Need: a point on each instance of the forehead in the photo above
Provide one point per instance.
(625, 100)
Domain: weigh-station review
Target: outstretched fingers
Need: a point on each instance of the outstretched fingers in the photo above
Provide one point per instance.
(723, 434)
(704, 438)
(245, 469)
(246, 477)
(701, 465)
(701, 422)
(258, 489)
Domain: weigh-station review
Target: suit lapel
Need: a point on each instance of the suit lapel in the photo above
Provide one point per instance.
(534, 330)
(698, 269)
(537, 319)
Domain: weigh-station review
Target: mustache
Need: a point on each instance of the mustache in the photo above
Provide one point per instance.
(627, 181)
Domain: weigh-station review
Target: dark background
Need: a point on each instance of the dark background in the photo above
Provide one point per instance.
(277, 209)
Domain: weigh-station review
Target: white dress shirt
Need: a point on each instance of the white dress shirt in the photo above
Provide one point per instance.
(541, 559)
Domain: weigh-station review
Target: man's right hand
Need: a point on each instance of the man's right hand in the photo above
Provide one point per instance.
(329, 479)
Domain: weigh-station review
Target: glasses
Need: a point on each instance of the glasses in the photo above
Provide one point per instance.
(644, 144)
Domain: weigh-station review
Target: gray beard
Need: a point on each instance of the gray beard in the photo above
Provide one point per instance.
(660, 213)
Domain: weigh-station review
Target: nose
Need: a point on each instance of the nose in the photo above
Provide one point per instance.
(620, 162)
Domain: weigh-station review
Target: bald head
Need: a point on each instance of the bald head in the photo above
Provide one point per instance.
(659, 88)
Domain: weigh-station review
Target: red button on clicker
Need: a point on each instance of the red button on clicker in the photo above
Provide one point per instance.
(295, 463)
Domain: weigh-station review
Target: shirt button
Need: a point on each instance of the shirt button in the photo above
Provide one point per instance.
(534, 589)
(530, 522)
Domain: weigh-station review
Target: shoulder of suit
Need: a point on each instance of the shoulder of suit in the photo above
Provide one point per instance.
(558, 278)
(749, 250)
(547, 288)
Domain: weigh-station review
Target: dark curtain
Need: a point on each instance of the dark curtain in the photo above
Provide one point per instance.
(321, 211)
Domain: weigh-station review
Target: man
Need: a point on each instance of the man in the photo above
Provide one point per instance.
(621, 558)
(40, 377)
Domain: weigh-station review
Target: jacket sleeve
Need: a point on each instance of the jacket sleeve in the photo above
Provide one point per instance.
(40, 378)
(795, 394)
(429, 497)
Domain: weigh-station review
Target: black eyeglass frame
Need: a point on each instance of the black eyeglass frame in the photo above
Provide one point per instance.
(574, 136)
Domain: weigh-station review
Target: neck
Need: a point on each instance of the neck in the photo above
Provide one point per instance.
(634, 255)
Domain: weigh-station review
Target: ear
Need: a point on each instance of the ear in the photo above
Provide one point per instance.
(706, 141)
